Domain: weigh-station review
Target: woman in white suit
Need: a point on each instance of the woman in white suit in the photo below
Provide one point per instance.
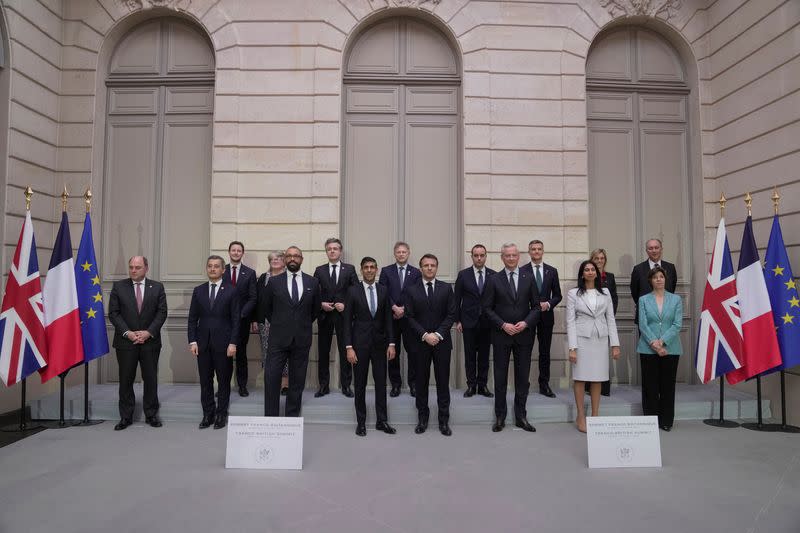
(590, 329)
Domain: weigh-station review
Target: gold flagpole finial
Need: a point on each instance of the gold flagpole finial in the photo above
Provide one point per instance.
(722, 202)
(776, 198)
(64, 196)
(87, 198)
(748, 201)
(28, 194)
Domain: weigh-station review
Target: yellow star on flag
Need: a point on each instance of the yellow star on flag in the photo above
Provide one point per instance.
(98, 297)
(790, 284)
(96, 280)
(86, 266)
(778, 270)
(794, 302)
(91, 312)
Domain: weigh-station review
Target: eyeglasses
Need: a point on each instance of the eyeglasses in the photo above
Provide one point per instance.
(295, 256)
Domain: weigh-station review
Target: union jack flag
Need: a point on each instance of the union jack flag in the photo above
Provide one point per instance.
(719, 342)
(23, 348)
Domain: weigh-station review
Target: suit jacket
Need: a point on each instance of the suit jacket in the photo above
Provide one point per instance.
(123, 313)
(551, 289)
(500, 306)
(665, 325)
(468, 299)
(391, 280)
(583, 321)
(245, 288)
(346, 277)
(289, 321)
(436, 314)
(640, 286)
(218, 326)
(362, 331)
(611, 284)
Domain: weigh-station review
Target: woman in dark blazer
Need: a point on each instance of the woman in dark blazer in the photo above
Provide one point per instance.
(600, 258)
(276, 266)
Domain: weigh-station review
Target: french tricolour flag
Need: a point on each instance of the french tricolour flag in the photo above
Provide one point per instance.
(761, 351)
(62, 320)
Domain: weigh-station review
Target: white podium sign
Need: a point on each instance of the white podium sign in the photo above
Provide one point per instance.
(265, 442)
(623, 441)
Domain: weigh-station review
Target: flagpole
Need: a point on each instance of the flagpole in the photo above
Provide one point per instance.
(721, 422)
(87, 199)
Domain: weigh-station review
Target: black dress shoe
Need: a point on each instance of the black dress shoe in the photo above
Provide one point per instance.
(545, 390)
(154, 421)
(284, 391)
(444, 428)
(361, 430)
(666, 427)
(323, 390)
(499, 424)
(470, 392)
(347, 391)
(243, 391)
(483, 391)
(412, 390)
(385, 427)
(222, 421)
(125, 422)
(422, 425)
(395, 392)
(524, 424)
(206, 422)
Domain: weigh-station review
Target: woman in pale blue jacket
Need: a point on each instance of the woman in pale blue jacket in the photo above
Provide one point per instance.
(660, 319)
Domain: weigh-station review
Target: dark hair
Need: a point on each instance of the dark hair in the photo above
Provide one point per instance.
(535, 241)
(477, 246)
(428, 256)
(598, 281)
(368, 259)
(653, 271)
(216, 258)
(234, 243)
(333, 240)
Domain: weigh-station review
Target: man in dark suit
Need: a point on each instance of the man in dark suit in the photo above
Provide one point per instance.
(431, 312)
(214, 319)
(137, 308)
(639, 283)
(242, 278)
(510, 300)
(546, 280)
(334, 278)
(396, 278)
(291, 303)
(473, 323)
(367, 326)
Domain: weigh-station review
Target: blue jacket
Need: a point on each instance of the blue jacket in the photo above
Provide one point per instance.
(665, 325)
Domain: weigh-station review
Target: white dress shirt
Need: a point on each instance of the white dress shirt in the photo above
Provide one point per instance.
(299, 282)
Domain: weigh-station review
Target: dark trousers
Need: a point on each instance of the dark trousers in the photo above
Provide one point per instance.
(297, 356)
(658, 386)
(377, 356)
(544, 335)
(331, 322)
(209, 363)
(401, 330)
(440, 357)
(241, 353)
(127, 359)
(477, 343)
(522, 370)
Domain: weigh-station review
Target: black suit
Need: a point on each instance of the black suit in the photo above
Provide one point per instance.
(125, 316)
(501, 307)
(550, 292)
(213, 327)
(475, 326)
(390, 278)
(370, 337)
(290, 336)
(431, 314)
(332, 320)
(640, 286)
(246, 290)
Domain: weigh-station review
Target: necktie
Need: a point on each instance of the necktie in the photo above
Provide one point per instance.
(513, 287)
(539, 277)
(430, 290)
(333, 274)
(295, 291)
(402, 276)
(233, 276)
(480, 281)
(372, 304)
(139, 296)
(213, 294)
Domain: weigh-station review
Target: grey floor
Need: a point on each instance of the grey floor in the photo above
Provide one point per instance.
(173, 479)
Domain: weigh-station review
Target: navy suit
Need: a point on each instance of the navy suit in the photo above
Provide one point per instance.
(551, 293)
(390, 278)
(330, 321)
(475, 326)
(246, 289)
(213, 328)
(501, 307)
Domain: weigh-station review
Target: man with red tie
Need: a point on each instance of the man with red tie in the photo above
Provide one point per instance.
(242, 278)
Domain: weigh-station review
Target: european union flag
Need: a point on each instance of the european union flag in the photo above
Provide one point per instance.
(782, 289)
(90, 297)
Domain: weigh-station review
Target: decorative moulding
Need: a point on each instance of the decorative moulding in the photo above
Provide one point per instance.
(407, 3)
(664, 9)
(135, 5)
